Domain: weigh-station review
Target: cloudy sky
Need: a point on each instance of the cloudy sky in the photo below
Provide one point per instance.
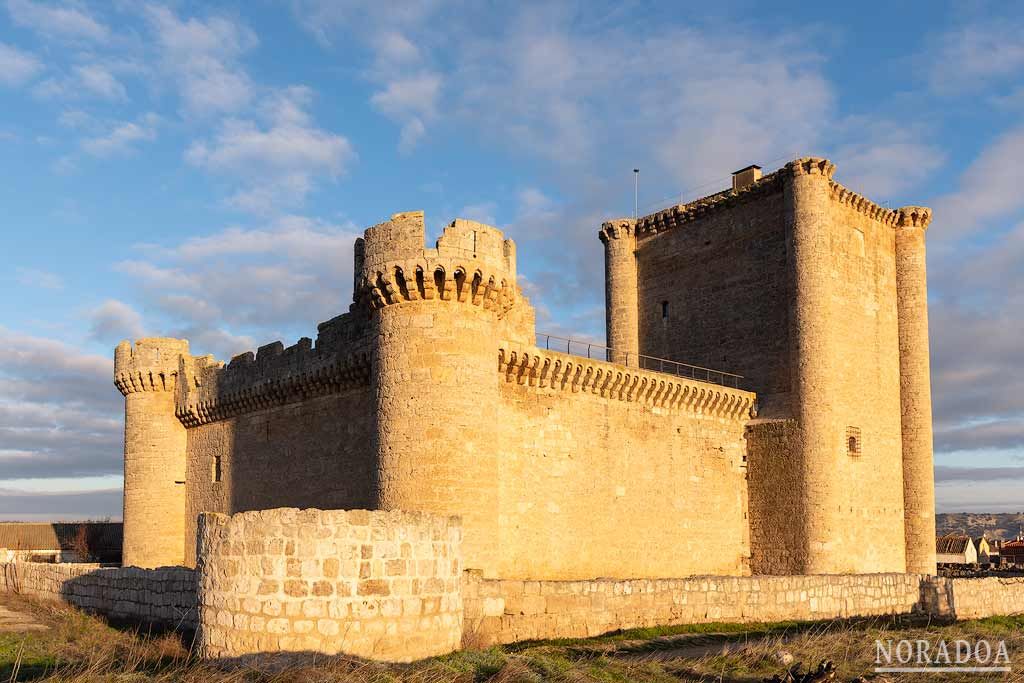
(200, 171)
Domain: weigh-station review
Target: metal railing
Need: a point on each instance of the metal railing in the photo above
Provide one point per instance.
(584, 349)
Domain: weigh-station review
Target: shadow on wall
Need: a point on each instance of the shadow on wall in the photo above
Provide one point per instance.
(303, 437)
(159, 601)
(162, 599)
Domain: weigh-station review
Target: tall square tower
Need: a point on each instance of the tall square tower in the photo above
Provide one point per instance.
(817, 296)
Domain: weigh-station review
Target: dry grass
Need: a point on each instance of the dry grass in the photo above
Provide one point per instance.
(81, 648)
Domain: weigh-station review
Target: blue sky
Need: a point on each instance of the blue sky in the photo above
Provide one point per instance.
(200, 170)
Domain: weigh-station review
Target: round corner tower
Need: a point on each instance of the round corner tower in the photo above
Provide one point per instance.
(438, 316)
(621, 290)
(807, 217)
(915, 389)
(154, 452)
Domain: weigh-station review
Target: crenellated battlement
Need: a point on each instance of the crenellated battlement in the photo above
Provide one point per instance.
(861, 204)
(914, 217)
(273, 376)
(150, 364)
(680, 214)
(617, 228)
(810, 166)
(471, 263)
(552, 370)
(676, 216)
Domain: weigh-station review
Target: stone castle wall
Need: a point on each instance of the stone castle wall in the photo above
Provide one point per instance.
(382, 585)
(480, 611)
(509, 611)
(722, 273)
(431, 396)
(165, 596)
(983, 597)
(620, 465)
(314, 453)
(792, 282)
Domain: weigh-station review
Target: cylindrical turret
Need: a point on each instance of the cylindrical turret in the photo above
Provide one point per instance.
(807, 190)
(439, 315)
(621, 290)
(154, 452)
(915, 390)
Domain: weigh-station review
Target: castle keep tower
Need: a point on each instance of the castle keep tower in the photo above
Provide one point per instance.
(435, 316)
(154, 452)
(817, 296)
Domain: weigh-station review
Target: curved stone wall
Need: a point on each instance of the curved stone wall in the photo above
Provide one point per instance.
(381, 585)
(154, 452)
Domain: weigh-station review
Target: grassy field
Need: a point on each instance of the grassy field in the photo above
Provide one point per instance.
(78, 647)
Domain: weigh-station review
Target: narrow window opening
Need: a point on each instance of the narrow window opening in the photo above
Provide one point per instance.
(664, 311)
(217, 471)
(853, 441)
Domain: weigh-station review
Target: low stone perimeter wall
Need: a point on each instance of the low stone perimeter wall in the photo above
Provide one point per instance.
(165, 596)
(509, 611)
(382, 585)
(984, 597)
(390, 586)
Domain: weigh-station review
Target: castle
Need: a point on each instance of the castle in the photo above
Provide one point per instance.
(811, 455)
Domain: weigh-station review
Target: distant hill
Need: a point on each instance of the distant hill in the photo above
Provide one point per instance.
(1002, 525)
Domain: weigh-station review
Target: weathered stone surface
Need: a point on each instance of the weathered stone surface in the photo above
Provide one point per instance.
(295, 598)
(161, 596)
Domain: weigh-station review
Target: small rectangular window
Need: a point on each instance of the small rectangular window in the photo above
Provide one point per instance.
(217, 472)
(664, 311)
(853, 443)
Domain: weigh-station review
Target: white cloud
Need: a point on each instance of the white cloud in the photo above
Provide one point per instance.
(57, 22)
(483, 212)
(59, 411)
(536, 215)
(409, 86)
(85, 80)
(884, 159)
(411, 101)
(279, 159)
(240, 287)
(114, 320)
(324, 18)
(33, 277)
(202, 56)
(99, 80)
(975, 55)
(122, 137)
(989, 188)
(17, 66)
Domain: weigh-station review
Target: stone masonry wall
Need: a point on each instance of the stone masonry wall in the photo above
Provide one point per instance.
(383, 585)
(165, 596)
(774, 482)
(606, 470)
(482, 611)
(722, 273)
(985, 597)
(865, 488)
(317, 453)
(508, 611)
